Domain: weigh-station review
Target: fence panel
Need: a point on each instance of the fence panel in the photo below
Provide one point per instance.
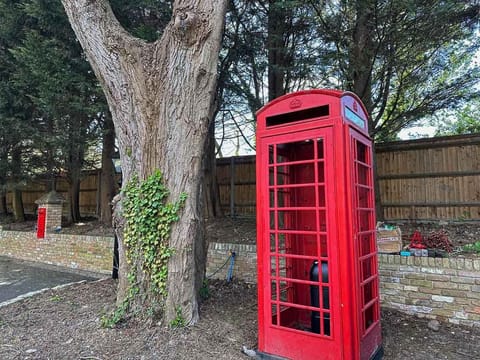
(430, 179)
(425, 179)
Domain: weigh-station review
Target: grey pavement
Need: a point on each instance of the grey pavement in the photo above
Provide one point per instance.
(18, 278)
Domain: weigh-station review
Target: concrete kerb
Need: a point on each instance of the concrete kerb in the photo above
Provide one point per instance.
(36, 292)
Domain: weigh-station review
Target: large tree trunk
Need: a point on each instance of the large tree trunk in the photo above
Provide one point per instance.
(360, 71)
(161, 99)
(276, 49)
(74, 198)
(17, 201)
(108, 183)
(17, 205)
(211, 194)
(3, 203)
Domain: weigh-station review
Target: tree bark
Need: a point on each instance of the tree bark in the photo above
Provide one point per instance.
(17, 201)
(161, 100)
(276, 49)
(74, 198)
(211, 194)
(3, 203)
(108, 183)
(17, 205)
(361, 64)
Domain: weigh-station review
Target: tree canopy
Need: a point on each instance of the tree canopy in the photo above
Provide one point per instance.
(405, 59)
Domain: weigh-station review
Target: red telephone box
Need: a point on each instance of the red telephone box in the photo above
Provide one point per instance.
(318, 295)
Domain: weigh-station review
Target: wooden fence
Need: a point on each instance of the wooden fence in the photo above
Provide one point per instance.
(426, 179)
(430, 179)
(89, 194)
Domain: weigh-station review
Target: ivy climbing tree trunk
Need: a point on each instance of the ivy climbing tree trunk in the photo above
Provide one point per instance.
(161, 99)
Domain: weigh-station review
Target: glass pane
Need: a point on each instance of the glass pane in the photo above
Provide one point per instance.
(275, 314)
(296, 220)
(367, 268)
(272, 243)
(302, 173)
(295, 151)
(271, 195)
(301, 244)
(365, 220)
(286, 291)
(283, 197)
(282, 243)
(303, 196)
(370, 317)
(362, 152)
(272, 220)
(366, 244)
(320, 150)
(362, 174)
(322, 220)
(271, 176)
(363, 197)
(321, 196)
(297, 269)
(321, 172)
(278, 267)
(270, 154)
(282, 175)
(273, 288)
(323, 246)
(368, 292)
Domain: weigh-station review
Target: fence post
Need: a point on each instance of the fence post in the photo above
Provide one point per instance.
(232, 187)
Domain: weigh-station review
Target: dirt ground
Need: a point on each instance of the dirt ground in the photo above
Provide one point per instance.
(65, 323)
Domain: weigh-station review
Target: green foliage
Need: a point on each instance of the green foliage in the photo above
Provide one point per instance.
(51, 104)
(56, 298)
(117, 316)
(145, 19)
(406, 59)
(179, 320)
(204, 290)
(148, 218)
(465, 120)
(148, 222)
(474, 248)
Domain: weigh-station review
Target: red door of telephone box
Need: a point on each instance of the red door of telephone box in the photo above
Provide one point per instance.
(42, 217)
(318, 294)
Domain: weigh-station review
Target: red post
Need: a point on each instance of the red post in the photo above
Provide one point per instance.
(41, 222)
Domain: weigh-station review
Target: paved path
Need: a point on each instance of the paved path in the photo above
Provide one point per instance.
(19, 277)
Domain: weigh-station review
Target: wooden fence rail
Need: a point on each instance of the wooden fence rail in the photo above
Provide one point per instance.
(425, 179)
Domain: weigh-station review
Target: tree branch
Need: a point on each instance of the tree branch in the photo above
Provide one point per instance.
(97, 29)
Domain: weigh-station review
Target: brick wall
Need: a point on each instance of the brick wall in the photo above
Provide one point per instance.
(245, 266)
(435, 288)
(54, 216)
(446, 289)
(443, 289)
(81, 252)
